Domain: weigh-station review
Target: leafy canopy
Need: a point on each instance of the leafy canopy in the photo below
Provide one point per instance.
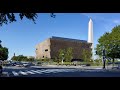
(111, 42)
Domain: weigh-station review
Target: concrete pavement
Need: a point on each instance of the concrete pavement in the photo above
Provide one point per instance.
(60, 71)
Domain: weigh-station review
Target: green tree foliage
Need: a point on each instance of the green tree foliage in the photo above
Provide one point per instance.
(14, 58)
(66, 54)
(22, 58)
(98, 62)
(103, 43)
(86, 55)
(11, 17)
(31, 59)
(111, 43)
(69, 54)
(61, 53)
(3, 52)
(46, 59)
(56, 60)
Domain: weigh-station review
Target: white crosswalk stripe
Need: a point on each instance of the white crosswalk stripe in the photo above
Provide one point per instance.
(57, 70)
(42, 71)
(29, 72)
(50, 71)
(23, 73)
(54, 70)
(45, 71)
(39, 72)
(15, 73)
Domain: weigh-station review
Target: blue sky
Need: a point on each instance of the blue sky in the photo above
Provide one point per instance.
(21, 37)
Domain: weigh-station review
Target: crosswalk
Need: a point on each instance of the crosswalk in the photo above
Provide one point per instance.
(15, 73)
(42, 71)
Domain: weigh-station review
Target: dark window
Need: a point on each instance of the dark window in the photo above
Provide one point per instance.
(46, 50)
(36, 48)
(43, 56)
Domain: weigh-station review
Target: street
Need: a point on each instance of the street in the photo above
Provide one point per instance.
(41, 71)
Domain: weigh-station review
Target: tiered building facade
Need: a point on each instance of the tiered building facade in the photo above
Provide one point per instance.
(51, 46)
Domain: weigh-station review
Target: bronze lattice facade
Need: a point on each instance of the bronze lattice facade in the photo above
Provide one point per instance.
(50, 47)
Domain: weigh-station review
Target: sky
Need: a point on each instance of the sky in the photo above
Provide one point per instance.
(22, 36)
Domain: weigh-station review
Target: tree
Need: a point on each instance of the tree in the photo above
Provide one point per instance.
(14, 58)
(86, 55)
(61, 54)
(56, 59)
(20, 58)
(98, 61)
(110, 41)
(3, 52)
(69, 54)
(31, 59)
(103, 43)
(10, 17)
(23, 58)
(66, 54)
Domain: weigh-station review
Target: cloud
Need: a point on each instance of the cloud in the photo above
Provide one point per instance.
(116, 21)
(90, 15)
(107, 22)
(108, 27)
(99, 17)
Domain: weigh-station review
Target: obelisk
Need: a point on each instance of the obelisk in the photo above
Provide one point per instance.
(90, 36)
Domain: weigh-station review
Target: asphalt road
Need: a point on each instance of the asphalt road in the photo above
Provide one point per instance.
(58, 72)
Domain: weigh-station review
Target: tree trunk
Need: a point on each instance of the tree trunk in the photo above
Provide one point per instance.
(113, 61)
(104, 62)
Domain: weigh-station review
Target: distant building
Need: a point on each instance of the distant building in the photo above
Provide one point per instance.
(51, 46)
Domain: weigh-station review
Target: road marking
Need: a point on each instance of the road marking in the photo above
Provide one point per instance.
(15, 73)
(21, 72)
(58, 70)
(42, 71)
(39, 72)
(52, 71)
(30, 72)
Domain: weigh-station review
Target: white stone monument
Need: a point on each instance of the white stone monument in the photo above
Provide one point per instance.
(90, 36)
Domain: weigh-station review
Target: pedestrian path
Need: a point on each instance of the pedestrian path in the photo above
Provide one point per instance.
(42, 72)
(38, 72)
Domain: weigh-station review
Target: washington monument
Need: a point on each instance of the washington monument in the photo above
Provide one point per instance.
(90, 36)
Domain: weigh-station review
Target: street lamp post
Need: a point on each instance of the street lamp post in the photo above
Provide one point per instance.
(103, 56)
(103, 52)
